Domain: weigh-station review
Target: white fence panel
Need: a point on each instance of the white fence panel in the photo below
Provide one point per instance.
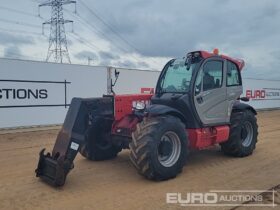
(132, 81)
(37, 93)
(263, 94)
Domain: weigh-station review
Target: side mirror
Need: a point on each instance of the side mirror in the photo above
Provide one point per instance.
(188, 62)
(245, 99)
(117, 74)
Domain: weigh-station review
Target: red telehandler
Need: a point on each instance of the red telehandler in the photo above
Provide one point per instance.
(196, 104)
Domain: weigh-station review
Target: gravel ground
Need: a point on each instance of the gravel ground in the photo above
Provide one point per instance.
(114, 184)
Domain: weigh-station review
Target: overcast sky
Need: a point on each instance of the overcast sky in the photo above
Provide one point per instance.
(150, 32)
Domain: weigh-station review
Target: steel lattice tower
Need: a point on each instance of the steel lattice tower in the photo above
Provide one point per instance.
(58, 49)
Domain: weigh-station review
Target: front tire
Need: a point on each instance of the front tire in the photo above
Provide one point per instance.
(98, 144)
(243, 134)
(158, 149)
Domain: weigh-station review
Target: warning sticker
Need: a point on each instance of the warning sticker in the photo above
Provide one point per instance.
(74, 146)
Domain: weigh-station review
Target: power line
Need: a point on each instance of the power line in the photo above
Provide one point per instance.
(96, 30)
(103, 35)
(19, 23)
(19, 56)
(17, 11)
(20, 31)
(57, 42)
(89, 26)
(85, 42)
(86, 23)
(109, 26)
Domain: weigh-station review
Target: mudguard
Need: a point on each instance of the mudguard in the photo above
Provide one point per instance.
(238, 106)
(158, 109)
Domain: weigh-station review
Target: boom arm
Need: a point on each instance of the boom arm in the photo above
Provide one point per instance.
(53, 168)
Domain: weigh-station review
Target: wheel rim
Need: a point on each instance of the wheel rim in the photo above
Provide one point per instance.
(169, 149)
(247, 134)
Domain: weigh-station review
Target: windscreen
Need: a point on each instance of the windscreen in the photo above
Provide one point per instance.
(178, 75)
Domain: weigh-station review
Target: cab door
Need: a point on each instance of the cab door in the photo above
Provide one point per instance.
(233, 84)
(210, 94)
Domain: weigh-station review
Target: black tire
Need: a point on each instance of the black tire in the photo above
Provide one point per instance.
(98, 145)
(243, 134)
(146, 147)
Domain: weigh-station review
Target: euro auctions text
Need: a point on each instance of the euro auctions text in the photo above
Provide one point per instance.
(217, 198)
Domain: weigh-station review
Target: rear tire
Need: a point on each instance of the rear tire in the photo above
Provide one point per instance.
(243, 134)
(98, 144)
(158, 149)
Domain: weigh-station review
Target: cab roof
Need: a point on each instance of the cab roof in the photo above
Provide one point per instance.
(239, 62)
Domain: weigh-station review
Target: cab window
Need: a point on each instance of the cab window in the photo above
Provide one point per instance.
(233, 75)
(177, 77)
(212, 75)
(198, 83)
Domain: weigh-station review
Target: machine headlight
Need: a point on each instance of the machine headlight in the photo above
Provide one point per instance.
(140, 106)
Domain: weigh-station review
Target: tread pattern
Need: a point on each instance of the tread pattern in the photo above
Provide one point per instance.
(143, 145)
(91, 148)
(233, 146)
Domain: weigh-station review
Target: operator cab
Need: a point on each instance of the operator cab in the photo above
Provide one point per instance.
(202, 87)
(178, 74)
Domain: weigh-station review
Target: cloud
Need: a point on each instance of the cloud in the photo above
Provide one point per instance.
(8, 38)
(108, 58)
(162, 29)
(12, 52)
(143, 64)
(131, 65)
(105, 56)
(85, 55)
(126, 64)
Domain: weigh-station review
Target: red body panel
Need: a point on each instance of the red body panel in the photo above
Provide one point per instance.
(240, 63)
(125, 122)
(125, 126)
(147, 90)
(125, 103)
(205, 137)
